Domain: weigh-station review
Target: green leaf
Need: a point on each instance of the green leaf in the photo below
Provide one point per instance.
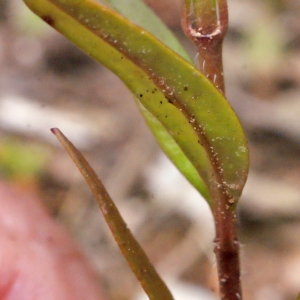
(174, 152)
(148, 20)
(182, 100)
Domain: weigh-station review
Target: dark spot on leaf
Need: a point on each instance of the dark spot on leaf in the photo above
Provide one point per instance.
(48, 20)
(160, 102)
(141, 95)
(169, 100)
(185, 88)
(199, 142)
(166, 116)
(153, 91)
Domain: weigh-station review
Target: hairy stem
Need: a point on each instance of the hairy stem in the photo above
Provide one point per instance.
(205, 23)
(227, 248)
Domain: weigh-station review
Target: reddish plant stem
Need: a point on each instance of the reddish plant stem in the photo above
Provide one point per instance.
(227, 248)
(206, 26)
(210, 60)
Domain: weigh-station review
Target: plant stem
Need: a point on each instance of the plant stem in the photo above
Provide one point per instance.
(138, 261)
(205, 22)
(206, 25)
(227, 248)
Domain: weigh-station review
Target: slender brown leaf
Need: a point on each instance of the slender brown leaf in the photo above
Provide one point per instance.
(131, 250)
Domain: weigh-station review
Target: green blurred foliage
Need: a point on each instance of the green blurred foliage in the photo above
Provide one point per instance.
(21, 161)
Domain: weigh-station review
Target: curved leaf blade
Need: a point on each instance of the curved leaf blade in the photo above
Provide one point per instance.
(174, 152)
(185, 102)
(170, 147)
(148, 20)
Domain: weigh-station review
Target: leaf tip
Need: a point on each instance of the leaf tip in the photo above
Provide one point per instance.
(55, 130)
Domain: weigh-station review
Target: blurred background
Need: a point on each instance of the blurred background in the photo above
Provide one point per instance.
(47, 82)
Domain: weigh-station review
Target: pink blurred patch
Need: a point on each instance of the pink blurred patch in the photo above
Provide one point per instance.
(38, 260)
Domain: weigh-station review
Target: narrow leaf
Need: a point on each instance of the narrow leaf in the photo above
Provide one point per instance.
(182, 99)
(154, 287)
